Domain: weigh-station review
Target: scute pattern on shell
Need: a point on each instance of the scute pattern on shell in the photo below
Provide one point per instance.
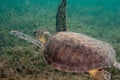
(73, 52)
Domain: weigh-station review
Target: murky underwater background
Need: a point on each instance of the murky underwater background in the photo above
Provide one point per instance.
(97, 18)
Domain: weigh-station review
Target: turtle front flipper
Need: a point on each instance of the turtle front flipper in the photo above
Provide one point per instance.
(26, 37)
(61, 17)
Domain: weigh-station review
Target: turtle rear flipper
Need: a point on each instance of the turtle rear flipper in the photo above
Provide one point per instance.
(102, 74)
(27, 38)
(116, 64)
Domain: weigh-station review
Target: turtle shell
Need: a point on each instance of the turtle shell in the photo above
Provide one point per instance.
(74, 52)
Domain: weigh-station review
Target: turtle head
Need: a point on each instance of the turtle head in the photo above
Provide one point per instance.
(42, 35)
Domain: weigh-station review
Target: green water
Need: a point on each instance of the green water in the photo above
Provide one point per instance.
(97, 18)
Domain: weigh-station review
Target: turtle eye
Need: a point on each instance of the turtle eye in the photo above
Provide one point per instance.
(34, 32)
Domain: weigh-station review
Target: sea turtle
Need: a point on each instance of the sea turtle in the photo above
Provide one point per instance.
(75, 52)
